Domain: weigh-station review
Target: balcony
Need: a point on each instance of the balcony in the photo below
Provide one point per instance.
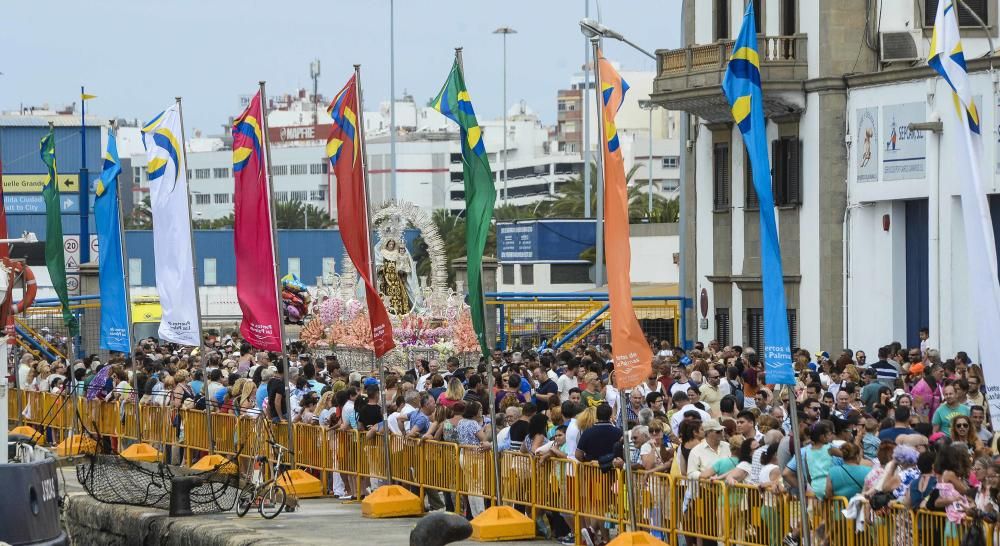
(690, 79)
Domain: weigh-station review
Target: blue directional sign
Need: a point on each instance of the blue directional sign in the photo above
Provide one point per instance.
(33, 203)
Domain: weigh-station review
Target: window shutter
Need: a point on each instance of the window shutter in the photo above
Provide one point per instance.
(755, 329)
(793, 173)
(721, 186)
(721, 20)
(777, 171)
(980, 7)
(793, 329)
(752, 202)
(722, 326)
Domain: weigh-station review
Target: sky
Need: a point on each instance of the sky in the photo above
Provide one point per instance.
(137, 55)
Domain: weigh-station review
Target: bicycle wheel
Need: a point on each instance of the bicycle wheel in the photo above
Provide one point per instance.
(272, 500)
(245, 500)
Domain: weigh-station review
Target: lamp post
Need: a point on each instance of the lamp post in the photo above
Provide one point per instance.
(392, 99)
(649, 106)
(586, 115)
(504, 31)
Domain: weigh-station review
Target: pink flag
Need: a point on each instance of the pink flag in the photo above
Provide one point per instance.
(255, 282)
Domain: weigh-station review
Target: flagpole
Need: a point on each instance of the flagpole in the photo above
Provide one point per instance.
(489, 365)
(371, 262)
(194, 277)
(83, 186)
(277, 269)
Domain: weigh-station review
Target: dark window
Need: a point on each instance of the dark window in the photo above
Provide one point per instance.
(527, 273)
(721, 174)
(721, 20)
(758, 15)
(456, 158)
(788, 17)
(752, 203)
(722, 326)
(755, 329)
(570, 274)
(965, 19)
(787, 171)
(508, 273)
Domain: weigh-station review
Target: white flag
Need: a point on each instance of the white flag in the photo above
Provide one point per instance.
(171, 228)
(948, 59)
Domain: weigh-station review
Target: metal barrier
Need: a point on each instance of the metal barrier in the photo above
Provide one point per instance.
(668, 507)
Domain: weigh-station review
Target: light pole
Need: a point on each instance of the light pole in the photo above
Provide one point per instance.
(504, 31)
(649, 106)
(392, 99)
(586, 115)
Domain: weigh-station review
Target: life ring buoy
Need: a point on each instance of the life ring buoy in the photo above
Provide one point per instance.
(30, 286)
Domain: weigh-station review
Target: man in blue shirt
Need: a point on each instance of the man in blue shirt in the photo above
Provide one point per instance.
(598, 440)
(420, 420)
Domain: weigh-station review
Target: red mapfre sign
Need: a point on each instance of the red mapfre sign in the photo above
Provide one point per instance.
(298, 133)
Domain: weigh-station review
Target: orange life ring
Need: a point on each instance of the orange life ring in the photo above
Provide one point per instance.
(30, 287)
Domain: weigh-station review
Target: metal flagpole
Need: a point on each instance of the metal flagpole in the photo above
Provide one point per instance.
(371, 264)
(128, 298)
(84, 183)
(800, 475)
(489, 370)
(586, 118)
(194, 277)
(277, 270)
(649, 163)
(599, 264)
(627, 454)
(392, 101)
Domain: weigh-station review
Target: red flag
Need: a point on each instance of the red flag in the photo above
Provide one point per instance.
(4, 249)
(255, 277)
(632, 355)
(344, 150)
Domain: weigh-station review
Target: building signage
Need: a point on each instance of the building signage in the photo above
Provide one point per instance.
(517, 242)
(33, 203)
(905, 151)
(866, 158)
(32, 183)
(295, 133)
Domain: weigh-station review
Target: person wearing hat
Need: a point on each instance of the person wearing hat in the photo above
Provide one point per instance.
(709, 451)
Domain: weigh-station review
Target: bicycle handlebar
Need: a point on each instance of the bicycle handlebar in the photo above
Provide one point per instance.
(280, 447)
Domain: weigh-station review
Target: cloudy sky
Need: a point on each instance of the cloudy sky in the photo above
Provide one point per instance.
(136, 55)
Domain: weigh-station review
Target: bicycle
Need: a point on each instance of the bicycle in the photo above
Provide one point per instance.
(267, 495)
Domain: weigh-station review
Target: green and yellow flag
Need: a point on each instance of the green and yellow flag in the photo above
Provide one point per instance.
(54, 260)
(480, 194)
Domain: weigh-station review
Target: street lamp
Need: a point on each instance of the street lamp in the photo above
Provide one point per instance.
(650, 106)
(593, 29)
(504, 31)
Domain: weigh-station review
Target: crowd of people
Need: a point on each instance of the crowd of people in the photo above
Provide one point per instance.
(909, 426)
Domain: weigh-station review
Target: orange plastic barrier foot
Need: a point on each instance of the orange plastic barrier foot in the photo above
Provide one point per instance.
(391, 501)
(144, 453)
(25, 430)
(76, 445)
(502, 523)
(636, 538)
(301, 484)
(210, 462)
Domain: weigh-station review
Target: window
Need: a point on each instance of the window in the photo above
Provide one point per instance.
(202, 199)
(721, 20)
(281, 196)
(135, 271)
(755, 329)
(329, 269)
(300, 195)
(527, 273)
(300, 169)
(787, 171)
(208, 271)
(671, 162)
(222, 199)
(965, 19)
(758, 13)
(189, 174)
(793, 329)
(788, 17)
(456, 159)
(220, 172)
(562, 106)
(279, 170)
(507, 272)
(316, 168)
(569, 127)
(317, 195)
(751, 202)
(720, 191)
(201, 174)
(670, 184)
(722, 326)
(295, 267)
(570, 274)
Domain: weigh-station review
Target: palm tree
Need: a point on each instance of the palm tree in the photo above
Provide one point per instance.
(292, 215)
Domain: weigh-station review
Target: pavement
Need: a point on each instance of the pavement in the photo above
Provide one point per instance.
(316, 521)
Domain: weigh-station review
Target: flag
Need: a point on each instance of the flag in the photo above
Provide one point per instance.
(115, 331)
(55, 261)
(741, 85)
(632, 356)
(172, 252)
(454, 103)
(947, 58)
(86, 96)
(256, 285)
(343, 147)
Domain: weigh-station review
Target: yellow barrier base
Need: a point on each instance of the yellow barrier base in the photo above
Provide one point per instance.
(636, 538)
(144, 453)
(502, 523)
(391, 501)
(76, 445)
(25, 430)
(301, 484)
(211, 462)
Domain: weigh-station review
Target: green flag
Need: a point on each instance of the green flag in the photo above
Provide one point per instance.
(54, 260)
(480, 194)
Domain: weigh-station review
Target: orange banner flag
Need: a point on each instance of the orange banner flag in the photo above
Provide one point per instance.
(633, 357)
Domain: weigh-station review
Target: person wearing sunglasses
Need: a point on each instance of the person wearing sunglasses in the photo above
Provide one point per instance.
(962, 431)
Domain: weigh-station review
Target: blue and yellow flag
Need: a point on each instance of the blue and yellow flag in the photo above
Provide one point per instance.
(742, 88)
(115, 331)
